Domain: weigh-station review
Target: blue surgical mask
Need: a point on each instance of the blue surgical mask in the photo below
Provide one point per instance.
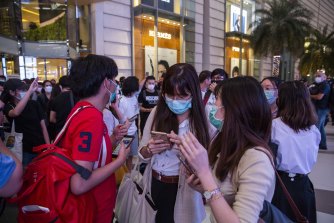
(112, 96)
(217, 123)
(270, 95)
(178, 107)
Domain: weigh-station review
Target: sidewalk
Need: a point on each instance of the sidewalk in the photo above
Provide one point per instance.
(322, 177)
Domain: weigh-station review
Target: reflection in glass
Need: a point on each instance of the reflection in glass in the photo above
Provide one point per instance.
(43, 20)
(240, 58)
(144, 46)
(7, 19)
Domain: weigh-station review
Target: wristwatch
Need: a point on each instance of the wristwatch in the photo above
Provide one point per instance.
(212, 195)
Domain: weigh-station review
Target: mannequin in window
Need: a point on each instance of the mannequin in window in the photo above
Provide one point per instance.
(237, 24)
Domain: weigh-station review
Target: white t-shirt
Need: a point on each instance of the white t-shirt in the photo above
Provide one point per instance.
(129, 107)
(110, 120)
(297, 152)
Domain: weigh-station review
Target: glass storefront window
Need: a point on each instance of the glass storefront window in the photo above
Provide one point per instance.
(161, 35)
(7, 19)
(234, 21)
(169, 39)
(144, 44)
(44, 20)
(43, 68)
(166, 5)
(240, 58)
(10, 65)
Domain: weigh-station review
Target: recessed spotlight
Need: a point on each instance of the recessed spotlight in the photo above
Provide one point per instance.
(174, 23)
(151, 18)
(178, 24)
(144, 16)
(168, 22)
(163, 20)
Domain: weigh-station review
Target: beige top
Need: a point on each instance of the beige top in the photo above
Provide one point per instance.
(252, 183)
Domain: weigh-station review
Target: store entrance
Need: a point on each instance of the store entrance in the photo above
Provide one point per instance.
(155, 41)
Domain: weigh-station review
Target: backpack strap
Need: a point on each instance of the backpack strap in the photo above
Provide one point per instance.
(298, 216)
(63, 130)
(84, 173)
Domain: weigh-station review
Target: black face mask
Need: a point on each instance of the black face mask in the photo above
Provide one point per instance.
(217, 81)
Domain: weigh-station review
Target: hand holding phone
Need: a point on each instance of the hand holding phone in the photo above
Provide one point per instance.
(160, 136)
(127, 140)
(186, 165)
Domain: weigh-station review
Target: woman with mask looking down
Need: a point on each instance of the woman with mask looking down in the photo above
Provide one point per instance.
(235, 176)
(180, 109)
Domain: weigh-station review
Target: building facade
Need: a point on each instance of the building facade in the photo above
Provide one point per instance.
(40, 37)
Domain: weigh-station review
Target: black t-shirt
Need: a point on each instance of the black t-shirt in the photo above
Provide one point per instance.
(28, 123)
(148, 99)
(321, 88)
(62, 105)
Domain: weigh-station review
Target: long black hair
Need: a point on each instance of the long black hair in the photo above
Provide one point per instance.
(182, 79)
(247, 123)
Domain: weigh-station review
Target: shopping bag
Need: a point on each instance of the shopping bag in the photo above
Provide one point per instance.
(134, 202)
(13, 141)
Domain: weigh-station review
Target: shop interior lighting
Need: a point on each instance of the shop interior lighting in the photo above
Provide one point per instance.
(46, 62)
(29, 11)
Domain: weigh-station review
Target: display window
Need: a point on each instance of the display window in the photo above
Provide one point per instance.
(166, 5)
(10, 65)
(240, 59)
(43, 68)
(163, 30)
(248, 65)
(155, 39)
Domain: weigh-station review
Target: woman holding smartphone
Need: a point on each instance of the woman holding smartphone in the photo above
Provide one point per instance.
(242, 176)
(179, 110)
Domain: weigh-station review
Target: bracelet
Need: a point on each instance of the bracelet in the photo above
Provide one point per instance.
(215, 197)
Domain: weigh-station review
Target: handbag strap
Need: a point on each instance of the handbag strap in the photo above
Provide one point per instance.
(299, 217)
(61, 133)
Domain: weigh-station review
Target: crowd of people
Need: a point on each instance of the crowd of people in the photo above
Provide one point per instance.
(222, 127)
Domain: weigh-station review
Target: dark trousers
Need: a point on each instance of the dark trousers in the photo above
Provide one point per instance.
(164, 196)
(302, 192)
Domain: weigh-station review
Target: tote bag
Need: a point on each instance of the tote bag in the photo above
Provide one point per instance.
(13, 141)
(134, 202)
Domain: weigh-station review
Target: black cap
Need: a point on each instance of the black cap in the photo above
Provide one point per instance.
(14, 84)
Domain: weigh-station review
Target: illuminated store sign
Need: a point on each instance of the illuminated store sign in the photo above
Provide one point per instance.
(237, 49)
(161, 35)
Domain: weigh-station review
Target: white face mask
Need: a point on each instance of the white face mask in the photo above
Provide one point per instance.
(48, 89)
(318, 80)
(21, 95)
(151, 87)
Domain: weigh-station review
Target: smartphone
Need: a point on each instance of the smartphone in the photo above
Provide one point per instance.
(186, 164)
(133, 118)
(160, 136)
(127, 140)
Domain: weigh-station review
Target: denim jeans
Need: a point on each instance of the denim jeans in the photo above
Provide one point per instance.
(322, 113)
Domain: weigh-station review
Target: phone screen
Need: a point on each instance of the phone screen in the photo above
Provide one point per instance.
(160, 136)
(127, 140)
